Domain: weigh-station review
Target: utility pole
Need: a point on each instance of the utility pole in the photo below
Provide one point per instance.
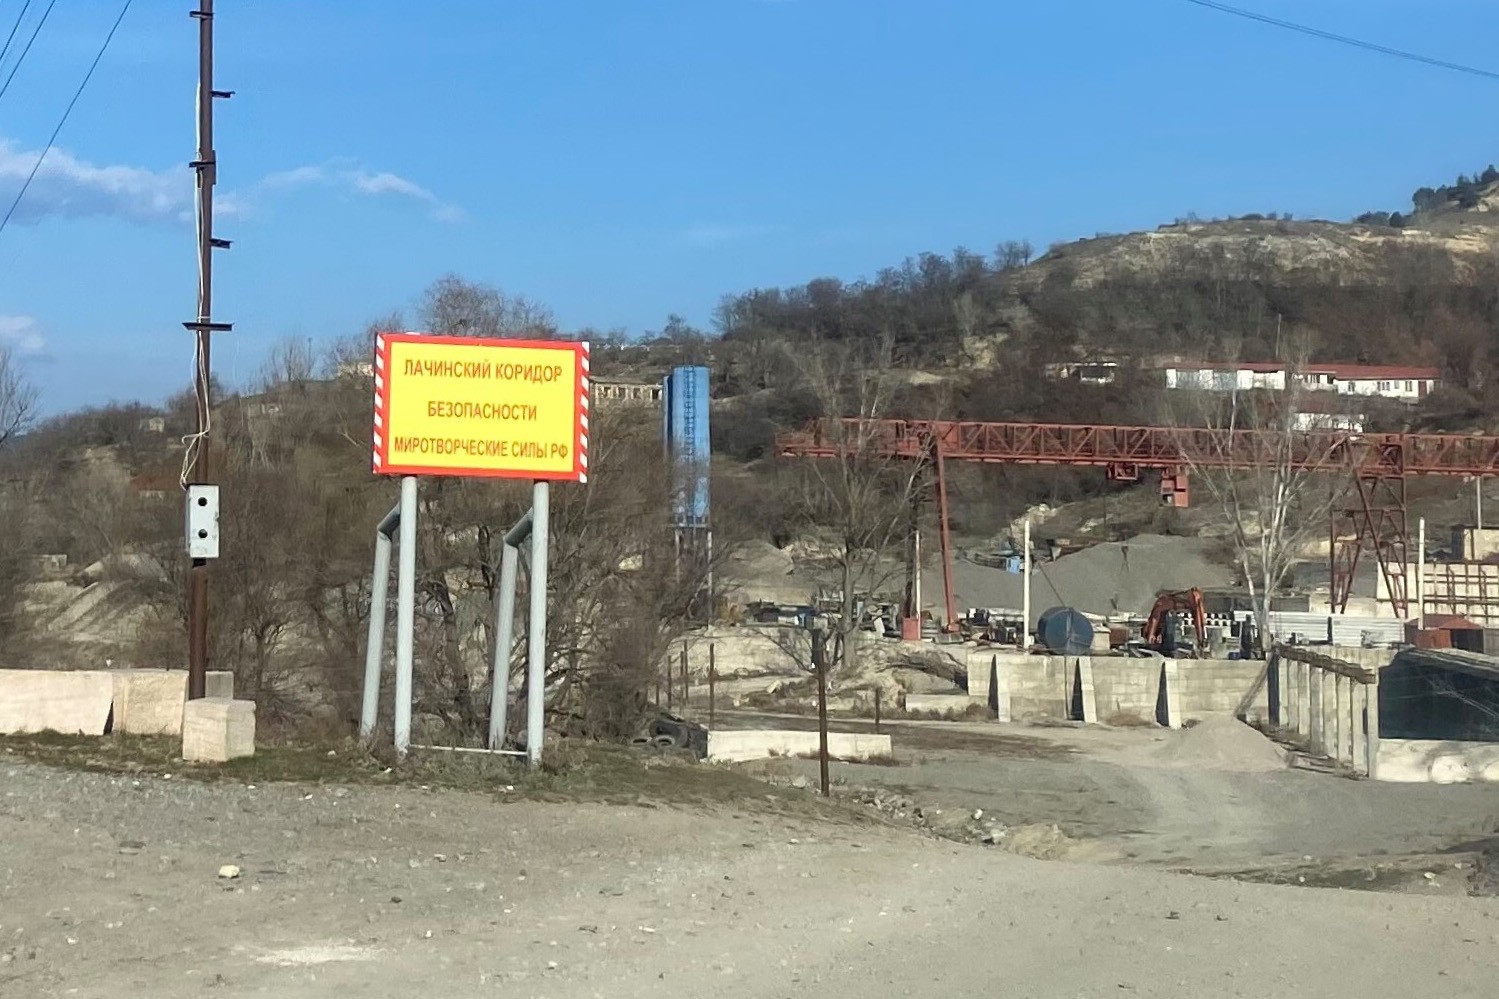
(820, 664)
(196, 470)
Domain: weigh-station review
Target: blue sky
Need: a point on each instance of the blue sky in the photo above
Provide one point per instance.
(619, 160)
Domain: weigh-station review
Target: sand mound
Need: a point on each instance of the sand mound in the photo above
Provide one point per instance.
(1221, 743)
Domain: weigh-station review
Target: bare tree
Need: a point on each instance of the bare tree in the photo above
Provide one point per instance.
(452, 306)
(863, 495)
(18, 397)
(291, 362)
(1272, 504)
(18, 401)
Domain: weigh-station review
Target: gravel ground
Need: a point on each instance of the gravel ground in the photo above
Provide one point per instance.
(109, 888)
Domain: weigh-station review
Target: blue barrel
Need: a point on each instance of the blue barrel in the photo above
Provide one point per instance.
(1065, 632)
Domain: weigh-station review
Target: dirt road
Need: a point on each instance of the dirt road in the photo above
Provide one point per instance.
(108, 888)
(1121, 794)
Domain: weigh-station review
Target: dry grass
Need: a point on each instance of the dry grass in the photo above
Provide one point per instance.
(571, 771)
(974, 712)
(879, 760)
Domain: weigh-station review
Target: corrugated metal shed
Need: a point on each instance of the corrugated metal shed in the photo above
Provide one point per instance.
(1337, 629)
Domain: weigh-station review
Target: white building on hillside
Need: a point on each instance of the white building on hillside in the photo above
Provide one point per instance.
(1239, 376)
(1406, 384)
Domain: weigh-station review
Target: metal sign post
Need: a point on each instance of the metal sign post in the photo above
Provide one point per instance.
(375, 641)
(468, 407)
(405, 614)
(504, 633)
(541, 495)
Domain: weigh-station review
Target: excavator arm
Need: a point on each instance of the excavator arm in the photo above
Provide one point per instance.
(1189, 601)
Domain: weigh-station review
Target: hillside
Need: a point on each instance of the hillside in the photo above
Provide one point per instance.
(1389, 288)
(967, 335)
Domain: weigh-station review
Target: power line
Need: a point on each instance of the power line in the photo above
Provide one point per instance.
(5, 51)
(68, 111)
(1333, 36)
(22, 57)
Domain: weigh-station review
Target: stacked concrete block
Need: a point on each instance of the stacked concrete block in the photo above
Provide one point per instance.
(217, 729)
(75, 702)
(150, 701)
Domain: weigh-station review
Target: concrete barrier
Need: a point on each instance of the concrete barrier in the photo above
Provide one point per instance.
(150, 701)
(1126, 690)
(1117, 689)
(1433, 761)
(758, 744)
(217, 729)
(141, 701)
(75, 702)
(1035, 688)
(938, 703)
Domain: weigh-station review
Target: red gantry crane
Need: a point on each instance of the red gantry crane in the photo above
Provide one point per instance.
(1379, 465)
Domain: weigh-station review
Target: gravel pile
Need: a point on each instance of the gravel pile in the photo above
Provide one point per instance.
(1221, 743)
(1122, 577)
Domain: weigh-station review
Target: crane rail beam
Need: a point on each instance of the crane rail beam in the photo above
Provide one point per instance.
(1163, 448)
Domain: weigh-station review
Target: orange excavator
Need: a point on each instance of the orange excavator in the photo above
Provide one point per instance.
(1162, 628)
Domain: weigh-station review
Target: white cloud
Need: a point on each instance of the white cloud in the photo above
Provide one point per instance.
(71, 188)
(708, 234)
(68, 187)
(363, 182)
(293, 178)
(22, 334)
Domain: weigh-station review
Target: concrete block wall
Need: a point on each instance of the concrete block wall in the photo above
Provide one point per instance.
(1223, 687)
(1126, 690)
(1117, 688)
(726, 746)
(1035, 688)
(1370, 658)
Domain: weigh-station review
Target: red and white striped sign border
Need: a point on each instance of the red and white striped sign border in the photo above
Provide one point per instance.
(381, 351)
(583, 397)
(382, 402)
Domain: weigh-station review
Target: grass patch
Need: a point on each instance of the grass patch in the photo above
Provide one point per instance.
(971, 713)
(880, 760)
(571, 771)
